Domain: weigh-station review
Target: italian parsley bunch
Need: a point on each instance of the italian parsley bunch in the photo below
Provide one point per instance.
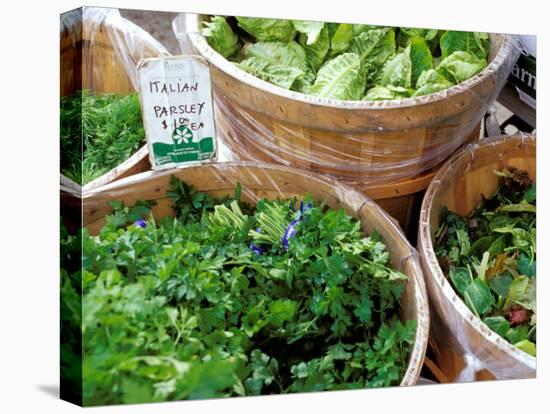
(212, 303)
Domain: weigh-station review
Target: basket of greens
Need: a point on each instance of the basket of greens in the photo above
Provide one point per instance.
(477, 241)
(101, 130)
(366, 104)
(246, 279)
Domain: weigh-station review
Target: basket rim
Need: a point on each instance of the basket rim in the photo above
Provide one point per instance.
(418, 349)
(427, 252)
(192, 28)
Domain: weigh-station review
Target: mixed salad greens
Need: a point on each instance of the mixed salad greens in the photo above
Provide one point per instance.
(230, 299)
(98, 132)
(490, 258)
(348, 61)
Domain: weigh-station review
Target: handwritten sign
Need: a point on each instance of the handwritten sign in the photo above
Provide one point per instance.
(176, 99)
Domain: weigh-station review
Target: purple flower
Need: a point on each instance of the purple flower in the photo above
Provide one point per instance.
(140, 223)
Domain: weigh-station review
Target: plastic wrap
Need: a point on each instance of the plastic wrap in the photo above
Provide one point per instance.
(359, 142)
(99, 52)
(271, 181)
(463, 342)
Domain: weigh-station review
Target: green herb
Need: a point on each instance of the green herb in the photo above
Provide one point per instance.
(349, 61)
(98, 132)
(185, 308)
(490, 258)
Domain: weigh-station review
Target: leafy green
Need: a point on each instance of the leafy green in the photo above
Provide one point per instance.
(312, 30)
(281, 75)
(267, 29)
(374, 47)
(220, 36)
(185, 308)
(98, 132)
(420, 61)
(397, 71)
(460, 66)
(431, 81)
(490, 258)
(341, 78)
(470, 42)
(288, 54)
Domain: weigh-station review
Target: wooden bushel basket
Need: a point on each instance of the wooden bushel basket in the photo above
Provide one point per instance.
(459, 186)
(89, 61)
(358, 142)
(272, 181)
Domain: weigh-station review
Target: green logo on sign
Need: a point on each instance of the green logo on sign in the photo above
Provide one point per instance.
(183, 149)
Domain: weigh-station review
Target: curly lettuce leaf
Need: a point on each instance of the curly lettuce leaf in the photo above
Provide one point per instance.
(426, 34)
(342, 77)
(341, 39)
(264, 29)
(472, 42)
(385, 93)
(220, 36)
(431, 81)
(374, 47)
(460, 66)
(285, 54)
(277, 74)
(312, 30)
(397, 71)
(421, 58)
(317, 51)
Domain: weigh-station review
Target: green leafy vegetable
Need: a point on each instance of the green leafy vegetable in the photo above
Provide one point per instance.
(280, 75)
(98, 132)
(220, 36)
(341, 78)
(211, 303)
(419, 61)
(490, 258)
(460, 66)
(268, 29)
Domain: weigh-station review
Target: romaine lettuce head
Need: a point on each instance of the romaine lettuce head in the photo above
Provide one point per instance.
(431, 81)
(460, 66)
(312, 30)
(397, 70)
(283, 53)
(220, 36)
(385, 93)
(374, 47)
(472, 42)
(426, 34)
(268, 29)
(277, 74)
(317, 51)
(342, 77)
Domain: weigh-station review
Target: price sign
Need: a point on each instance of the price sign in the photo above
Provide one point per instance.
(178, 116)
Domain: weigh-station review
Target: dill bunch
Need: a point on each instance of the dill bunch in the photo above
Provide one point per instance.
(98, 132)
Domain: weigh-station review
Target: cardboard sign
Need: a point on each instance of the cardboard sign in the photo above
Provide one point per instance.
(176, 100)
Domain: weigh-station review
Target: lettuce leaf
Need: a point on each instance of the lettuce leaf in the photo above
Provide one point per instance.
(220, 36)
(312, 30)
(397, 70)
(460, 66)
(384, 93)
(471, 42)
(421, 58)
(426, 34)
(267, 29)
(342, 77)
(316, 52)
(431, 81)
(374, 47)
(285, 54)
(341, 40)
(277, 74)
